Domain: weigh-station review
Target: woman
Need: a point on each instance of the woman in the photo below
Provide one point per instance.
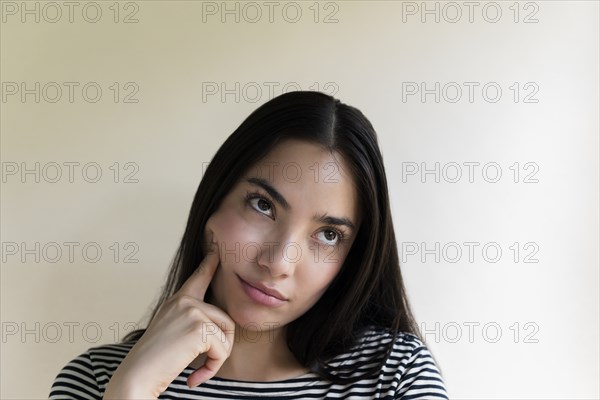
(286, 283)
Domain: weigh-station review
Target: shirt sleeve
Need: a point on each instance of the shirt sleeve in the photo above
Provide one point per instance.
(76, 381)
(422, 378)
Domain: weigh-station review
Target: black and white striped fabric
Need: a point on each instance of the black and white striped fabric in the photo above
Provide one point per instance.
(409, 373)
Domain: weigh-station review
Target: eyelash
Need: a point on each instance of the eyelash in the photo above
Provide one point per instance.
(257, 195)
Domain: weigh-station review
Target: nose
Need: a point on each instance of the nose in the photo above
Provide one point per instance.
(280, 257)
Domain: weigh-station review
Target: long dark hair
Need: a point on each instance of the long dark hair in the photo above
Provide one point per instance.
(368, 290)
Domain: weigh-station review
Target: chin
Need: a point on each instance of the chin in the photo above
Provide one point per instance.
(254, 317)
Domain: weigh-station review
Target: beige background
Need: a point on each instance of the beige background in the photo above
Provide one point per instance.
(55, 309)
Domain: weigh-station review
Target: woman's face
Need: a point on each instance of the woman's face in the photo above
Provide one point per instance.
(280, 225)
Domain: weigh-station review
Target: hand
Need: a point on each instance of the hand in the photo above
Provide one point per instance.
(184, 328)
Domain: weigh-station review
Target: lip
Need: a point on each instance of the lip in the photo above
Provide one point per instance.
(263, 295)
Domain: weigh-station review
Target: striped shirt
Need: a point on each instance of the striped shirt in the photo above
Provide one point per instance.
(409, 373)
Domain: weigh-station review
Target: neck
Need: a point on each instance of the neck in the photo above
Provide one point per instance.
(260, 356)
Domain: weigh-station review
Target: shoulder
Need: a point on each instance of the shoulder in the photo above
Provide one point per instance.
(374, 334)
(86, 375)
(404, 345)
(409, 364)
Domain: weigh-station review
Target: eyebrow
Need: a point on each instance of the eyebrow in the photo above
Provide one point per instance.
(324, 218)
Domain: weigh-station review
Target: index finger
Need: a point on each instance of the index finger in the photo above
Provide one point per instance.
(197, 284)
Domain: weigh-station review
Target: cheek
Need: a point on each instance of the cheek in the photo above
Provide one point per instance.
(233, 229)
(327, 259)
(314, 279)
(321, 270)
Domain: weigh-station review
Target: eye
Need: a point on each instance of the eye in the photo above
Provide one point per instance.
(259, 203)
(331, 234)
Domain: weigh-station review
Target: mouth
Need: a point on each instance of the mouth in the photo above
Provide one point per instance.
(261, 296)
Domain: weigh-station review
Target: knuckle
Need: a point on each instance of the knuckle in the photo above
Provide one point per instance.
(228, 346)
(183, 300)
(230, 320)
(198, 327)
(222, 314)
(193, 313)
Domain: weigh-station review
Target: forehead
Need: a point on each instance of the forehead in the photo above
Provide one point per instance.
(310, 178)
